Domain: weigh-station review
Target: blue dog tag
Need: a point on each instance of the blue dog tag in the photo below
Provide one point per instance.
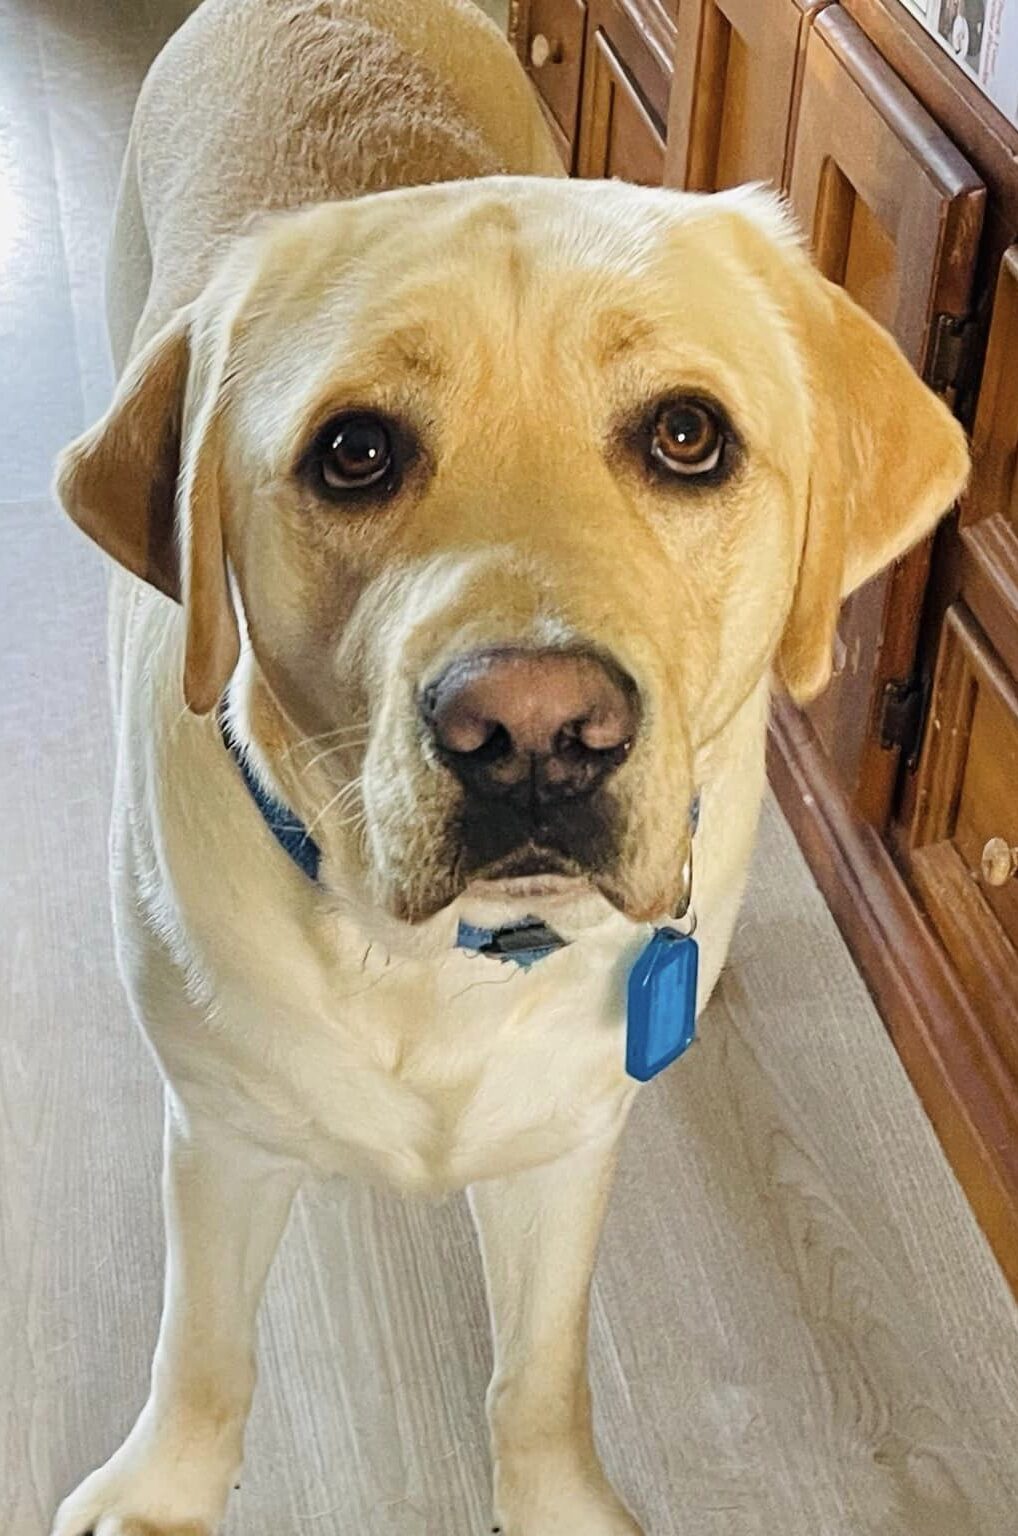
(661, 1004)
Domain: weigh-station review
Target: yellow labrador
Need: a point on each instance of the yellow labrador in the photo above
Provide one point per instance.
(465, 520)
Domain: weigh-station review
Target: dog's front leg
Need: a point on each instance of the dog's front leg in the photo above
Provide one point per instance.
(539, 1232)
(225, 1207)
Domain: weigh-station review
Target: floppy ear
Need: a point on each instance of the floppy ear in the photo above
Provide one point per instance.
(149, 491)
(888, 459)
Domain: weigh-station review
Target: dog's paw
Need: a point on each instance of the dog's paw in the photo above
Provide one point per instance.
(113, 1525)
(152, 1486)
(555, 1493)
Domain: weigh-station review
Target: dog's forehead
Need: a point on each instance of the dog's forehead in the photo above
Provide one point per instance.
(529, 231)
(409, 286)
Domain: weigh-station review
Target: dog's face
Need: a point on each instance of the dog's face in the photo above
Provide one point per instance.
(525, 486)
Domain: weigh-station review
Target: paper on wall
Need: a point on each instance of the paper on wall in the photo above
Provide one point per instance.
(982, 38)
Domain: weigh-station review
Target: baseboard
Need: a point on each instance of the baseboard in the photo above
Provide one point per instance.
(953, 1063)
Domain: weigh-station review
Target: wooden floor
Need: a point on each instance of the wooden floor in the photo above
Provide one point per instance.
(798, 1330)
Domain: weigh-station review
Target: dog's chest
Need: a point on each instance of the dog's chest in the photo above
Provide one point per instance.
(428, 1075)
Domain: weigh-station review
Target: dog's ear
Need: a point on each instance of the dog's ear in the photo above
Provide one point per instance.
(887, 460)
(146, 484)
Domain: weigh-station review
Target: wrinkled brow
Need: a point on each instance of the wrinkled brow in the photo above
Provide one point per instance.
(615, 333)
(410, 349)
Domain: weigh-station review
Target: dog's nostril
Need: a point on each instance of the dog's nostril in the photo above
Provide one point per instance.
(497, 746)
(588, 739)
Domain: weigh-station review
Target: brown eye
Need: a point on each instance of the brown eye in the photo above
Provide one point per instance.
(688, 438)
(353, 452)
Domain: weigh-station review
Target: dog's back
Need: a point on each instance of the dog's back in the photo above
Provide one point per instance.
(328, 99)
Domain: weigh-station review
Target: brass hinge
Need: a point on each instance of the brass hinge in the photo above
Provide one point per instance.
(902, 719)
(951, 351)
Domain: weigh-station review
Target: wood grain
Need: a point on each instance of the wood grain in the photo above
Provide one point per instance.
(895, 214)
(620, 132)
(989, 517)
(562, 24)
(798, 1329)
(734, 92)
(957, 103)
(941, 1037)
(967, 795)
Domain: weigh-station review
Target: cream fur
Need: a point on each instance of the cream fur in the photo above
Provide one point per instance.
(315, 1029)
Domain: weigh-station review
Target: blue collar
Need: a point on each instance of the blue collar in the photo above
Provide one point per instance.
(661, 986)
(290, 833)
(524, 942)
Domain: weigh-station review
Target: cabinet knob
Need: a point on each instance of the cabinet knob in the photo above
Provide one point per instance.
(999, 862)
(544, 51)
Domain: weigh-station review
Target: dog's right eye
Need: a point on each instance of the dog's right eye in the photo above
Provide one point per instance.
(352, 453)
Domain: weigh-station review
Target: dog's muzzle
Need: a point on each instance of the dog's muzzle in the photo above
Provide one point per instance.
(532, 736)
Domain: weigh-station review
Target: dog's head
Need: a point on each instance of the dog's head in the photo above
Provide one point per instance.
(523, 487)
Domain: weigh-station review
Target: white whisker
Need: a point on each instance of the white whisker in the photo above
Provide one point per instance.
(341, 746)
(345, 792)
(340, 730)
(176, 723)
(359, 818)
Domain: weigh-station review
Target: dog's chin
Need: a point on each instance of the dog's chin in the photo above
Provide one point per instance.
(528, 882)
(569, 901)
(535, 882)
(547, 886)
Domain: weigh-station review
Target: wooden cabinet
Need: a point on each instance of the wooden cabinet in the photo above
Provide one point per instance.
(551, 45)
(916, 223)
(621, 134)
(602, 71)
(901, 783)
(964, 823)
(964, 845)
(894, 213)
(738, 67)
(989, 522)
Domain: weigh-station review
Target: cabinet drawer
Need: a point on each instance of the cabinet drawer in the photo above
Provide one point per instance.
(620, 135)
(894, 213)
(968, 799)
(989, 524)
(735, 91)
(553, 54)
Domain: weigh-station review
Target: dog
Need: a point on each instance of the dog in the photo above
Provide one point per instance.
(464, 518)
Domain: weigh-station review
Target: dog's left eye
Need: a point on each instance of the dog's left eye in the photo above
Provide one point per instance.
(352, 453)
(688, 438)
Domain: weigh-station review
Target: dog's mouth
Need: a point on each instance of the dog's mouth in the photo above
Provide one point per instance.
(532, 871)
(513, 857)
(531, 861)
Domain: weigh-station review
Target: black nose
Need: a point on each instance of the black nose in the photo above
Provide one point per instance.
(532, 727)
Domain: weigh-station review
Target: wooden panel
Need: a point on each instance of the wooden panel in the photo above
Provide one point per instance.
(989, 141)
(653, 22)
(951, 1054)
(552, 49)
(968, 794)
(895, 214)
(620, 135)
(989, 522)
(735, 91)
(982, 953)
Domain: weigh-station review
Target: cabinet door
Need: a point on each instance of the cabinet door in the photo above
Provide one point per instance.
(895, 214)
(734, 95)
(964, 843)
(989, 522)
(621, 134)
(550, 43)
